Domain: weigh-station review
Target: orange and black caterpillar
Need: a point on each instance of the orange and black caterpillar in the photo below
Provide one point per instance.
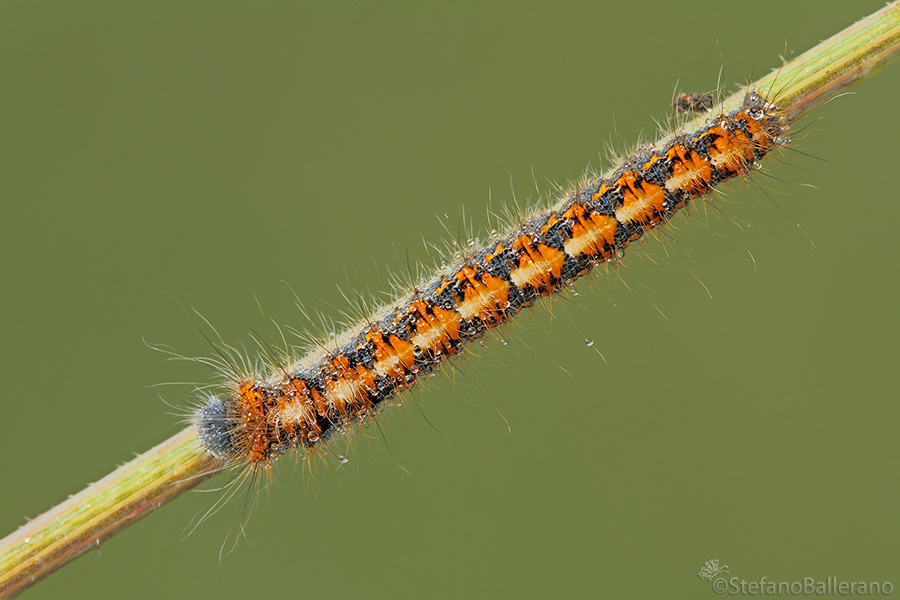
(263, 419)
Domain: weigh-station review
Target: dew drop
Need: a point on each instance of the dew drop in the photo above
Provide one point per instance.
(588, 342)
(344, 460)
(312, 436)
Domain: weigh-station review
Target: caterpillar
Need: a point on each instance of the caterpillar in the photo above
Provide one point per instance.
(305, 403)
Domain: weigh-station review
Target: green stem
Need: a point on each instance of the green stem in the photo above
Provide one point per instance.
(101, 510)
(135, 489)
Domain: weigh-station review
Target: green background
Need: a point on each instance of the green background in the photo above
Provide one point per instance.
(207, 152)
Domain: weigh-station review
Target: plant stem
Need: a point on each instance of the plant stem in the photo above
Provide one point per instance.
(135, 489)
(101, 510)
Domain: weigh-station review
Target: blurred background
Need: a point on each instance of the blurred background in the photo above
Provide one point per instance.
(209, 153)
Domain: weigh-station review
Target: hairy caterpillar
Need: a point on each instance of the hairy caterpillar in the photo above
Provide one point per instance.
(301, 404)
